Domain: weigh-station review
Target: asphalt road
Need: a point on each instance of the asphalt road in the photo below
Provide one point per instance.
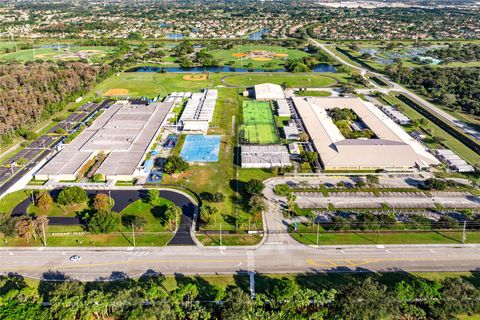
(105, 263)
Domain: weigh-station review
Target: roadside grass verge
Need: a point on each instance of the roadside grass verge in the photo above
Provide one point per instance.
(371, 238)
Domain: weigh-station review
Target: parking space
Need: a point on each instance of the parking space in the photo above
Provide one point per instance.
(43, 142)
(403, 194)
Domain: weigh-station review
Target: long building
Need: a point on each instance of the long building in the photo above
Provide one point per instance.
(199, 110)
(124, 133)
(392, 149)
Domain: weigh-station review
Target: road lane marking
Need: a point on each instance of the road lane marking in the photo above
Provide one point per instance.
(116, 263)
(360, 262)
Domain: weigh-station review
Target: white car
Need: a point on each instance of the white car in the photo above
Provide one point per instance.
(75, 258)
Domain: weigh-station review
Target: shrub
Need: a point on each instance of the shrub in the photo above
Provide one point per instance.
(207, 212)
(105, 221)
(137, 221)
(101, 202)
(257, 203)
(282, 189)
(72, 195)
(175, 164)
(254, 186)
(43, 200)
(435, 184)
(218, 197)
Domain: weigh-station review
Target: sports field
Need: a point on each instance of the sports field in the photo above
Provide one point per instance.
(73, 53)
(257, 56)
(310, 80)
(258, 123)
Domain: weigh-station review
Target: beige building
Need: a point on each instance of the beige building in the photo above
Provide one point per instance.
(392, 150)
(268, 91)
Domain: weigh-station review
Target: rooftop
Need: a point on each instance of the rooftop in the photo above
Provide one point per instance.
(394, 148)
(124, 132)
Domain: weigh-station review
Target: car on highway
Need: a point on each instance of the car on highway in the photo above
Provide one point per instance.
(75, 258)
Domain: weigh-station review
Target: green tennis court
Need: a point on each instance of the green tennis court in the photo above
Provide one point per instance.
(258, 123)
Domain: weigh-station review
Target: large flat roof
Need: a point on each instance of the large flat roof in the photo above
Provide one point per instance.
(123, 131)
(394, 148)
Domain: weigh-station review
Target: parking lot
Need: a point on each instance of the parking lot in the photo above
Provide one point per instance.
(397, 200)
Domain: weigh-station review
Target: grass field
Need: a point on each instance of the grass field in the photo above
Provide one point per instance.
(312, 93)
(258, 123)
(11, 200)
(273, 56)
(309, 80)
(6, 44)
(150, 84)
(91, 53)
(361, 238)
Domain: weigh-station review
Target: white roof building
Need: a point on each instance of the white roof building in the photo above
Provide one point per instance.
(124, 133)
(199, 110)
(268, 91)
(393, 150)
(283, 109)
(270, 156)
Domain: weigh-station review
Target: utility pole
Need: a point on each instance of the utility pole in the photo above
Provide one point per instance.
(44, 236)
(220, 234)
(464, 233)
(133, 234)
(318, 232)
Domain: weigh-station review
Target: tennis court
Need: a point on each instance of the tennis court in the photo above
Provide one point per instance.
(258, 123)
(200, 148)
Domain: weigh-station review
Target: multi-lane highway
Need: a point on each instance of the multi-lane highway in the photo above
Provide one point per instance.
(99, 263)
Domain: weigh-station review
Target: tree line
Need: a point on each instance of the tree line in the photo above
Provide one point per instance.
(306, 296)
(34, 91)
(464, 53)
(454, 88)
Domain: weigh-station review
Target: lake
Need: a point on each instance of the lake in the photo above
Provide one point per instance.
(257, 35)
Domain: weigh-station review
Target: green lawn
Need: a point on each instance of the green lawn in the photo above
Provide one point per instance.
(276, 54)
(364, 238)
(312, 93)
(308, 80)
(150, 84)
(100, 240)
(229, 239)
(11, 200)
(153, 215)
(52, 54)
(7, 44)
(58, 210)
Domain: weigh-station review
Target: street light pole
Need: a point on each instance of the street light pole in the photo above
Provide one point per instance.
(220, 234)
(318, 232)
(44, 236)
(133, 234)
(464, 234)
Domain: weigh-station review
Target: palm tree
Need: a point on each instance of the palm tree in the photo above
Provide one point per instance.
(171, 214)
(291, 198)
